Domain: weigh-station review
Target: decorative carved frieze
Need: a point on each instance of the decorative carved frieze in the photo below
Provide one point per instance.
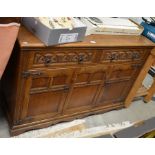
(120, 55)
(70, 57)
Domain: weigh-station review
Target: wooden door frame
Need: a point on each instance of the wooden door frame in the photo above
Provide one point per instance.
(28, 83)
(79, 70)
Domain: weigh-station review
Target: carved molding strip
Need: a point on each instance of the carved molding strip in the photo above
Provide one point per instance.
(49, 58)
(120, 55)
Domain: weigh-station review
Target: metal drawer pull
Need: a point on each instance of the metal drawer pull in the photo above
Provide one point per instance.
(113, 57)
(36, 73)
(135, 56)
(80, 59)
(26, 74)
(47, 60)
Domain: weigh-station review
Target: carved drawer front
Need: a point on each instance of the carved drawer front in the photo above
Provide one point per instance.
(63, 57)
(86, 83)
(46, 91)
(124, 55)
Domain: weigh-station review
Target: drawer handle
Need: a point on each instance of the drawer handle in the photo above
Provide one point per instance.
(135, 56)
(80, 59)
(47, 60)
(27, 74)
(36, 73)
(113, 57)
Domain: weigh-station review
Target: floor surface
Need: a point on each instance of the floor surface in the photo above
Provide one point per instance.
(136, 112)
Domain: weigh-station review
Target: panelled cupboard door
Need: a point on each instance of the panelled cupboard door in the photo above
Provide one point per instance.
(45, 92)
(86, 83)
(118, 84)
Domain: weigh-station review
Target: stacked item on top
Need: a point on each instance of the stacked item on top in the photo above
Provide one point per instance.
(56, 30)
(149, 29)
(59, 22)
(114, 26)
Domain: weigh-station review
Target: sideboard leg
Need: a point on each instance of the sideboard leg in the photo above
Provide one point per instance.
(137, 84)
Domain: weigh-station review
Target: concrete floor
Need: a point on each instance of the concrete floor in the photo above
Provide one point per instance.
(136, 112)
(4, 128)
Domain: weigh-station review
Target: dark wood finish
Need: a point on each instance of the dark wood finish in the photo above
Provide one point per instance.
(46, 85)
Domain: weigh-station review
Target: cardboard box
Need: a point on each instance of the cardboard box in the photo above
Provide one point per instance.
(54, 36)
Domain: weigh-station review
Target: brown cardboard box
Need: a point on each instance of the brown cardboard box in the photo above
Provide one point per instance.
(54, 36)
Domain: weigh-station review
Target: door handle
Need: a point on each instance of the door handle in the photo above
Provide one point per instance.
(66, 88)
(36, 73)
(26, 74)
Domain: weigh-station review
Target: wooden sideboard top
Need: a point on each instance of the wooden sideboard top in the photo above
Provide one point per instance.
(28, 40)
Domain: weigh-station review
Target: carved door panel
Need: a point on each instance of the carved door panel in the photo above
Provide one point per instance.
(83, 93)
(45, 92)
(118, 84)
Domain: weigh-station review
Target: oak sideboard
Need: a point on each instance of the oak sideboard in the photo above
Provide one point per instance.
(46, 85)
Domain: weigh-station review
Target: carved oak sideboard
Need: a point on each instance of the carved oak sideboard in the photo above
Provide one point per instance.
(46, 85)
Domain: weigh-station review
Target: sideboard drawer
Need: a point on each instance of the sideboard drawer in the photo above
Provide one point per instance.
(123, 55)
(62, 57)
